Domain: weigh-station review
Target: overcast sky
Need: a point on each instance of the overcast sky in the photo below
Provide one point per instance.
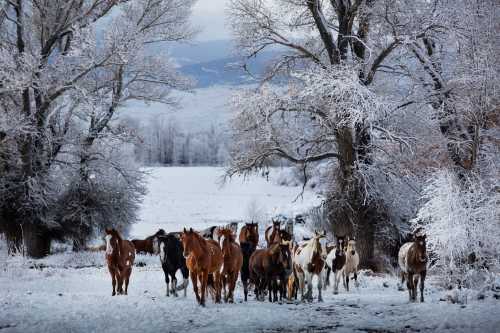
(209, 16)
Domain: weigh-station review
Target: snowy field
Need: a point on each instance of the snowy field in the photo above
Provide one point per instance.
(70, 292)
(195, 197)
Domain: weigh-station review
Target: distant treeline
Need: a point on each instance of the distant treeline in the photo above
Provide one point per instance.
(162, 141)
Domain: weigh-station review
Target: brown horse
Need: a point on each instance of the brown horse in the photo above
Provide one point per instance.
(250, 234)
(233, 260)
(203, 258)
(147, 245)
(267, 266)
(412, 260)
(275, 233)
(120, 256)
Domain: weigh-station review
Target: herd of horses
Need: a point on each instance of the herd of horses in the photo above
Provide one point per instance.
(282, 270)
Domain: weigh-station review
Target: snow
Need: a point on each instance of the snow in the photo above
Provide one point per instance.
(72, 291)
(59, 298)
(194, 197)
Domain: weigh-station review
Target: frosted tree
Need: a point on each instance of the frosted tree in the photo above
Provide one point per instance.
(462, 226)
(67, 67)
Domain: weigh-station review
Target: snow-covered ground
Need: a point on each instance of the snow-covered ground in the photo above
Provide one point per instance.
(195, 197)
(71, 292)
(62, 298)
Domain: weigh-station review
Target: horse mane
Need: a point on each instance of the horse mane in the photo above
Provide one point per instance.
(202, 241)
(313, 246)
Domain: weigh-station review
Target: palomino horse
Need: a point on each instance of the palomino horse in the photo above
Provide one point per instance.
(250, 234)
(120, 255)
(412, 260)
(203, 258)
(335, 261)
(308, 262)
(351, 263)
(172, 260)
(147, 245)
(267, 266)
(233, 260)
(273, 237)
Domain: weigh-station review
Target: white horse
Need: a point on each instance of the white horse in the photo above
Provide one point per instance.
(351, 264)
(308, 261)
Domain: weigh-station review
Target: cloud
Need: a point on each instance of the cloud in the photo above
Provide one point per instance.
(209, 16)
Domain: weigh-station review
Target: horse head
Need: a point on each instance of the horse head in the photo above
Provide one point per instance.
(420, 241)
(351, 246)
(252, 232)
(189, 241)
(226, 237)
(112, 241)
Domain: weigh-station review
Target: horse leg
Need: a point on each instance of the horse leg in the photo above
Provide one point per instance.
(309, 294)
(327, 276)
(119, 282)
(113, 281)
(343, 279)
(204, 282)
(194, 280)
(218, 286)
(356, 278)
(224, 282)
(346, 281)
(415, 286)
(409, 282)
(422, 279)
(185, 278)
(275, 289)
(269, 288)
(320, 285)
(127, 278)
(233, 286)
(174, 285)
(167, 281)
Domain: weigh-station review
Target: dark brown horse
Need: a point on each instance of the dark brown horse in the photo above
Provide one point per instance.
(250, 234)
(273, 237)
(120, 256)
(233, 260)
(203, 258)
(412, 260)
(147, 245)
(267, 266)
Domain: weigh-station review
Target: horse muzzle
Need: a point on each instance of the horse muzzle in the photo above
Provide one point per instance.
(353, 252)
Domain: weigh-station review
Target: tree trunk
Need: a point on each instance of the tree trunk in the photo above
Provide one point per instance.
(36, 240)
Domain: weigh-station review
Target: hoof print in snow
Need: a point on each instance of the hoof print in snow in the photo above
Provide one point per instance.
(385, 284)
(59, 294)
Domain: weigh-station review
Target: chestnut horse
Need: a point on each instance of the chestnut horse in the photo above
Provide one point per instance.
(203, 258)
(147, 245)
(250, 234)
(412, 260)
(233, 260)
(120, 255)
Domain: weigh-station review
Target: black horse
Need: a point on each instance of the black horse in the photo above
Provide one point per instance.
(246, 249)
(172, 259)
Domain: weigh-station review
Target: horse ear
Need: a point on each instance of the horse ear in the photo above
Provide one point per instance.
(190, 229)
(184, 230)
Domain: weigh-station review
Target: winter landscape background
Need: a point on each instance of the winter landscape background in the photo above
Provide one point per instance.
(369, 119)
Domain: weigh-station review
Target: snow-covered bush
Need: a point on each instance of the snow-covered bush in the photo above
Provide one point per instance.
(462, 222)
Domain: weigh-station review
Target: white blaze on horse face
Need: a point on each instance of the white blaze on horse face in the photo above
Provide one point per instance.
(128, 263)
(162, 252)
(109, 248)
